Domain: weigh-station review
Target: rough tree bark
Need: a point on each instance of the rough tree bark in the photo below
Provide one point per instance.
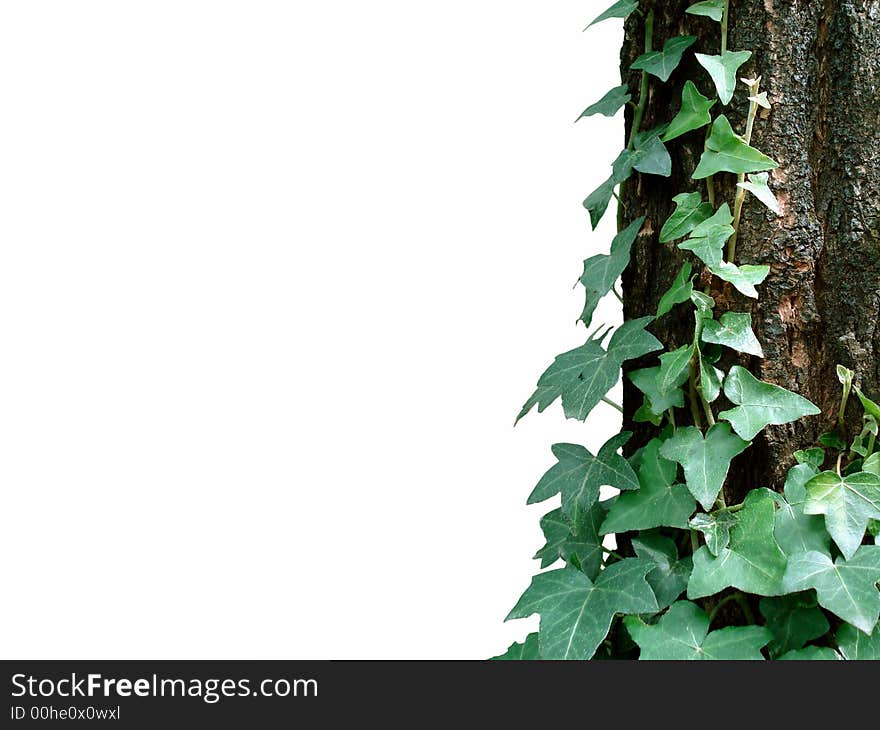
(820, 64)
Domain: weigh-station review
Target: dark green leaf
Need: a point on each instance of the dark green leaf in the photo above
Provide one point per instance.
(793, 620)
(528, 650)
(674, 368)
(715, 528)
(723, 70)
(602, 270)
(658, 401)
(753, 562)
(870, 407)
(651, 157)
(680, 291)
(760, 404)
(682, 633)
(662, 63)
(705, 460)
(733, 329)
(581, 377)
(727, 152)
(847, 503)
(576, 613)
(811, 653)
(694, 112)
(578, 475)
(813, 456)
(620, 9)
(669, 578)
(597, 201)
(609, 104)
(744, 277)
(795, 531)
(710, 8)
(689, 212)
(847, 588)
(855, 645)
(658, 502)
(708, 238)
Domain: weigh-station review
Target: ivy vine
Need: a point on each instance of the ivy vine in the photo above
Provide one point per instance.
(791, 575)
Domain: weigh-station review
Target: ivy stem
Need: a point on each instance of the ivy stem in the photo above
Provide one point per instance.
(710, 181)
(738, 598)
(839, 459)
(611, 553)
(695, 387)
(871, 439)
(671, 414)
(617, 294)
(613, 404)
(643, 84)
(695, 541)
(740, 192)
(725, 14)
(732, 508)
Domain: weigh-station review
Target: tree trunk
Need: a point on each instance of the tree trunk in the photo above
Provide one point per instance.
(820, 305)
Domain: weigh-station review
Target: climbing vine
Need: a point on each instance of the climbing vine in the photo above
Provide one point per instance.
(791, 575)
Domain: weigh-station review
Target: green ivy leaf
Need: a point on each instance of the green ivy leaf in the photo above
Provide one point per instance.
(674, 368)
(847, 503)
(793, 620)
(658, 502)
(727, 152)
(734, 330)
(869, 406)
(757, 186)
(705, 460)
(872, 464)
(680, 291)
(813, 456)
(603, 270)
(609, 104)
(578, 475)
(710, 8)
(682, 633)
(581, 377)
(631, 341)
(597, 201)
(797, 532)
(847, 588)
(528, 650)
(753, 562)
(669, 578)
(744, 277)
(690, 211)
(711, 379)
(855, 645)
(658, 401)
(650, 157)
(810, 653)
(723, 70)
(576, 613)
(715, 528)
(703, 303)
(620, 9)
(573, 540)
(760, 404)
(694, 112)
(662, 63)
(708, 238)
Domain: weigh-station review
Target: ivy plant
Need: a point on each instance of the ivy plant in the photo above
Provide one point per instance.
(666, 568)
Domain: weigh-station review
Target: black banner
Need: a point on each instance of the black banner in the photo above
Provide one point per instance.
(255, 694)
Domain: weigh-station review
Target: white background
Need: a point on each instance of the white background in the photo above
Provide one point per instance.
(275, 279)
